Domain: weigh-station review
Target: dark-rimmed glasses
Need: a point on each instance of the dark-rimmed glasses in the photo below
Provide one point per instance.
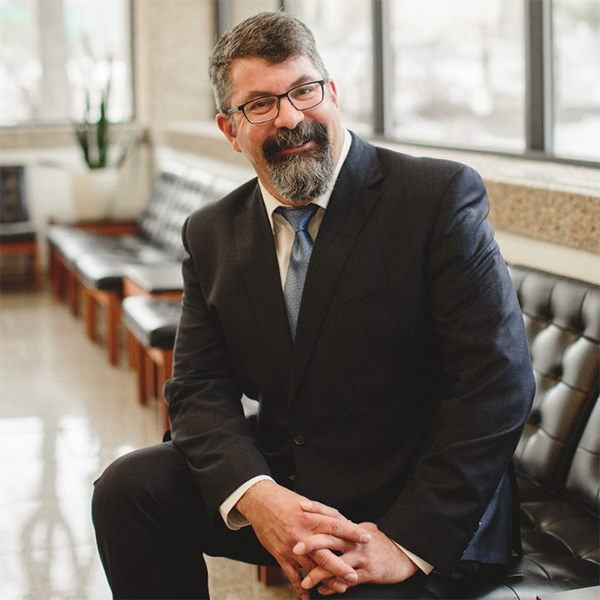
(302, 97)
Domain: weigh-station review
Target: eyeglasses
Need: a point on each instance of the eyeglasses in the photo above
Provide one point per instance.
(302, 97)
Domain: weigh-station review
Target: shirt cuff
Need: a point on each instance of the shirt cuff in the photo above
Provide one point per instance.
(423, 565)
(231, 515)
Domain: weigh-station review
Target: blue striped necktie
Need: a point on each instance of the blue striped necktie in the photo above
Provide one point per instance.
(298, 218)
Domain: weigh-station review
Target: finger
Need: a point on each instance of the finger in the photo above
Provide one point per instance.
(321, 541)
(334, 565)
(330, 568)
(307, 563)
(333, 586)
(345, 529)
(326, 591)
(322, 575)
(339, 527)
(293, 574)
(338, 524)
(323, 509)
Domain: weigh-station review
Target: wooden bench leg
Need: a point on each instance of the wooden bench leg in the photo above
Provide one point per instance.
(150, 374)
(29, 250)
(56, 274)
(138, 363)
(163, 359)
(90, 312)
(36, 267)
(130, 345)
(59, 276)
(144, 369)
(270, 575)
(73, 292)
(113, 321)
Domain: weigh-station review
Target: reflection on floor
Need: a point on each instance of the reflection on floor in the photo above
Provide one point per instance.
(64, 415)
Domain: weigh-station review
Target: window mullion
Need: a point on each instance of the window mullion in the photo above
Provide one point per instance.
(381, 67)
(223, 17)
(539, 97)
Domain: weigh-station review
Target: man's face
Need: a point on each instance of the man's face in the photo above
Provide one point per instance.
(294, 154)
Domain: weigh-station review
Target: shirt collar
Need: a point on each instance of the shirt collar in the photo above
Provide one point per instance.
(271, 203)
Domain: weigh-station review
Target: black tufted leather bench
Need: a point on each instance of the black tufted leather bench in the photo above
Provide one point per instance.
(152, 324)
(18, 234)
(562, 320)
(557, 460)
(96, 264)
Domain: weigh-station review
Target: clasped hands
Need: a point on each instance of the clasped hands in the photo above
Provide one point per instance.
(333, 551)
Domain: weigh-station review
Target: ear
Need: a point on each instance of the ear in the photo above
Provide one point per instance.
(225, 125)
(333, 90)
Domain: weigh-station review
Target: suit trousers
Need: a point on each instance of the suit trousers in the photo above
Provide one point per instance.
(152, 529)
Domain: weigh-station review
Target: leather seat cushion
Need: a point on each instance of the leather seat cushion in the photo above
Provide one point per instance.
(528, 587)
(153, 322)
(14, 233)
(164, 277)
(105, 270)
(538, 574)
(74, 243)
(558, 527)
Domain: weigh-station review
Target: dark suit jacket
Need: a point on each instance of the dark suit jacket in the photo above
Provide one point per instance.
(407, 388)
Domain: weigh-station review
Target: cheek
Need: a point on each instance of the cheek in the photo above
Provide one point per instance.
(252, 145)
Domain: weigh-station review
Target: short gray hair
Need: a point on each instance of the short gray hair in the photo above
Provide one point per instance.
(272, 36)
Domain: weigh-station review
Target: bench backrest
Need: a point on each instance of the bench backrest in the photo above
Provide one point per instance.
(175, 195)
(562, 321)
(583, 483)
(13, 205)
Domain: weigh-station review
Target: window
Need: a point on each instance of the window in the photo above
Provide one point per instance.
(52, 51)
(458, 72)
(342, 29)
(576, 41)
(516, 76)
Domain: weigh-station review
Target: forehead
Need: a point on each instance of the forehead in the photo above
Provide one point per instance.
(253, 77)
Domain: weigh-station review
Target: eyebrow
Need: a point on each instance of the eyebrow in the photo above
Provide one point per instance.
(254, 94)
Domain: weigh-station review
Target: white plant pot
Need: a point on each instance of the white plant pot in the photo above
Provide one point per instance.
(94, 192)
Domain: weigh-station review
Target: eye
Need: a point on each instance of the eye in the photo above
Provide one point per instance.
(305, 90)
(261, 105)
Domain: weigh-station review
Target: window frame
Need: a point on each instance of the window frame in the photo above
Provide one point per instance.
(58, 126)
(539, 97)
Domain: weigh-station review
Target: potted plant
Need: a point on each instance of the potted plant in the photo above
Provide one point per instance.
(93, 136)
(95, 188)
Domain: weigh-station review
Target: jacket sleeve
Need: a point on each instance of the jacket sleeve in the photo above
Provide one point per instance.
(207, 419)
(480, 328)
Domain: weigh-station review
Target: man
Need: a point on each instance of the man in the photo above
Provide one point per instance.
(391, 397)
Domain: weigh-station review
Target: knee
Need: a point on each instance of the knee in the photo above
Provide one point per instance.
(118, 486)
(132, 481)
(142, 482)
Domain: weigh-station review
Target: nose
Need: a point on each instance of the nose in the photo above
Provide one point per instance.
(288, 116)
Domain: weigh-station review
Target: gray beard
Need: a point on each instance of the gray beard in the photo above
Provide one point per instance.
(298, 179)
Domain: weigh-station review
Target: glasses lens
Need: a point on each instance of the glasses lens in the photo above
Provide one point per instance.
(261, 109)
(306, 96)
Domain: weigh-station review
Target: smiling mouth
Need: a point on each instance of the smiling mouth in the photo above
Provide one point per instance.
(293, 149)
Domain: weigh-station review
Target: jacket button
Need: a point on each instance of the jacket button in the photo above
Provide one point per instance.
(299, 439)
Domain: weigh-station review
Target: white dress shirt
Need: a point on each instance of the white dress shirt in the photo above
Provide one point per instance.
(283, 234)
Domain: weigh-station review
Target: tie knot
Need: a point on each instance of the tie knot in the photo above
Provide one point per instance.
(298, 217)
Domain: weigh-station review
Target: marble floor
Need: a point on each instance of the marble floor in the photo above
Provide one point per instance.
(65, 413)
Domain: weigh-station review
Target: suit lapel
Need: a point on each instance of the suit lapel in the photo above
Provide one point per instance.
(348, 209)
(257, 259)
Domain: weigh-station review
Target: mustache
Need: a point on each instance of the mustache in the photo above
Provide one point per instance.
(289, 138)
